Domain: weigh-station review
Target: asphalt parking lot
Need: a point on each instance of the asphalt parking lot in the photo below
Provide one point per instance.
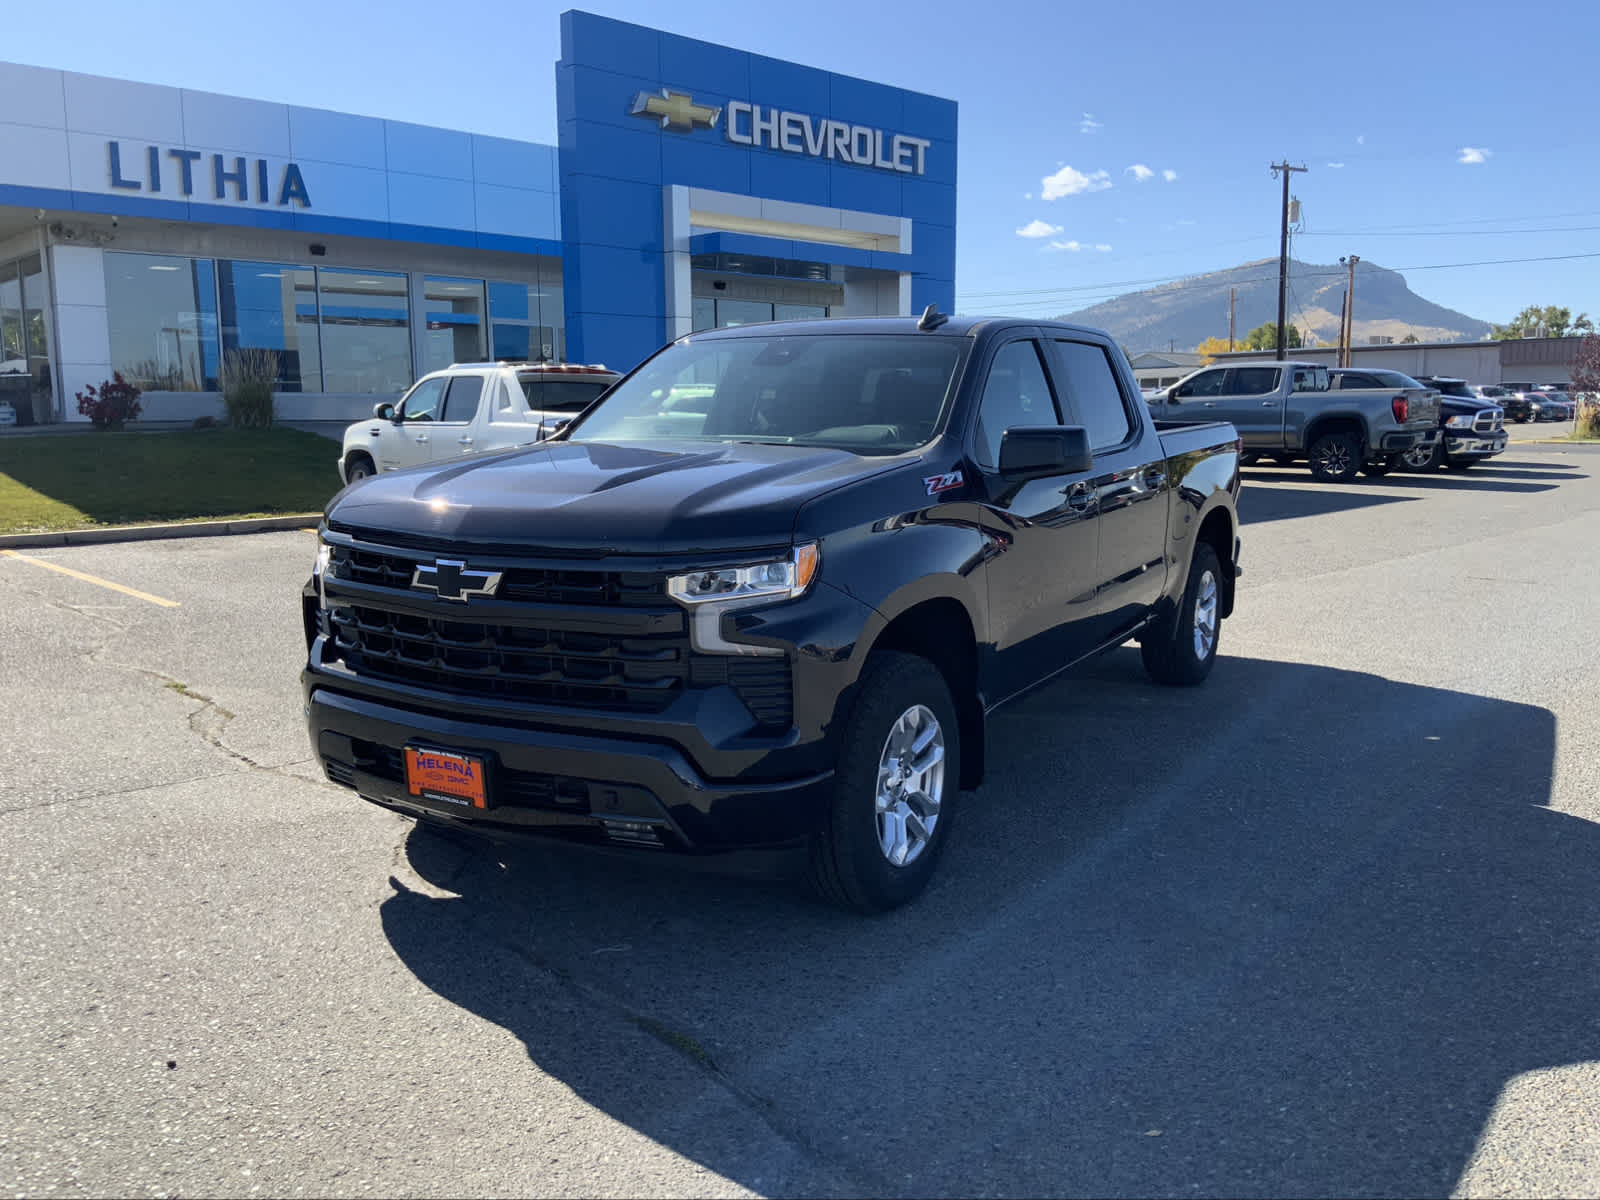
(1327, 925)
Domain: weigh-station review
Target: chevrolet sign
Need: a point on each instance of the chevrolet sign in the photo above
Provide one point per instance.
(750, 124)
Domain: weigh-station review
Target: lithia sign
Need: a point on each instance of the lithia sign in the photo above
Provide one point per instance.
(750, 124)
(230, 177)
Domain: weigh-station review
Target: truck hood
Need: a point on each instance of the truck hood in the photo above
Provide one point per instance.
(597, 497)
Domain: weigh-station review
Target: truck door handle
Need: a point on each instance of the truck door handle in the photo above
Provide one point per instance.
(1154, 477)
(464, 441)
(1211, 404)
(1269, 404)
(422, 439)
(1078, 495)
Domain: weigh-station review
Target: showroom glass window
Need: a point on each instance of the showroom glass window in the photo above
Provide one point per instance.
(162, 315)
(269, 306)
(528, 320)
(366, 331)
(454, 328)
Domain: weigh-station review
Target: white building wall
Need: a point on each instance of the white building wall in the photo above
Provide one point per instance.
(83, 335)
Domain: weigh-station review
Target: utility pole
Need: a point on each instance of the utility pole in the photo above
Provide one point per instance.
(1286, 171)
(1233, 295)
(1349, 330)
(1344, 307)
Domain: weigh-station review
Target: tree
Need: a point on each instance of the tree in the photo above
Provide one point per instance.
(1586, 385)
(1212, 347)
(1265, 337)
(1549, 321)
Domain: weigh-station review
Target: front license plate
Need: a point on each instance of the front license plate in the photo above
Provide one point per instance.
(446, 778)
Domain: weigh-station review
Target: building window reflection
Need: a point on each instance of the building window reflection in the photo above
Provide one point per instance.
(454, 326)
(269, 306)
(162, 316)
(366, 331)
(528, 319)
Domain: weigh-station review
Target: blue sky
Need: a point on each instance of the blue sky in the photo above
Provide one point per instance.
(1463, 133)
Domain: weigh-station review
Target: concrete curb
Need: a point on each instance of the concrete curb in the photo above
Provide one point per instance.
(147, 533)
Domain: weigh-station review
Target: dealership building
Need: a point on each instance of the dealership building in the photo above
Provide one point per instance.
(152, 230)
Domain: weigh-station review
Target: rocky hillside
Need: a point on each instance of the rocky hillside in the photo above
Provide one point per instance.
(1183, 314)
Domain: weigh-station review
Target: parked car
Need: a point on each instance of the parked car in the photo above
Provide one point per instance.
(1289, 412)
(1550, 406)
(777, 612)
(1471, 429)
(469, 408)
(1515, 403)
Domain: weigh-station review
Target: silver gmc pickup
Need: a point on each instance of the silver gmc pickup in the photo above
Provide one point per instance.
(1288, 411)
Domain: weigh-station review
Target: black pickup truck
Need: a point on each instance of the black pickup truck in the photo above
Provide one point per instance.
(766, 591)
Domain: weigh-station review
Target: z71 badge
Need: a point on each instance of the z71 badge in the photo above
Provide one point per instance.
(943, 483)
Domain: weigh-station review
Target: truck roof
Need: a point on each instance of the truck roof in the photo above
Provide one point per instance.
(948, 327)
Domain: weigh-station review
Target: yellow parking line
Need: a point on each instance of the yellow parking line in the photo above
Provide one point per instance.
(94, 579)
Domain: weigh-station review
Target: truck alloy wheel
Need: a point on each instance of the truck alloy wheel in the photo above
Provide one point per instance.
(899, 772)
(1180, 647)
(1336, 457)
(1423, 458)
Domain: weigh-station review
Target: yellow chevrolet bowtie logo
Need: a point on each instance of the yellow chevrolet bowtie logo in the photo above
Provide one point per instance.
(677, 110)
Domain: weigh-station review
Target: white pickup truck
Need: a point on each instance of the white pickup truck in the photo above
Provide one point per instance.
(468, 408)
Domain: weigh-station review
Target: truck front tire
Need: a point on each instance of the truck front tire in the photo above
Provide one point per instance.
(898, 777)
(358, 466)
(1180, 648)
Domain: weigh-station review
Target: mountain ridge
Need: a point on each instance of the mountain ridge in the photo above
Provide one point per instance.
(1182, 314)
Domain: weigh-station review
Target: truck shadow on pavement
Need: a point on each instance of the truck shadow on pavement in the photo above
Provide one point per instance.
(1290, 933)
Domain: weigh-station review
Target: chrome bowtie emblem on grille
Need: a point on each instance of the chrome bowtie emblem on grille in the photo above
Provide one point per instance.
(451, 579)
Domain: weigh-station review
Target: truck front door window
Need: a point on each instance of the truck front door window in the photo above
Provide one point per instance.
(1016, 393)
(1207, 383)
(423, 402)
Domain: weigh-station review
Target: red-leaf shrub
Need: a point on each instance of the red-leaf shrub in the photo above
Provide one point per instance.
(113, 403)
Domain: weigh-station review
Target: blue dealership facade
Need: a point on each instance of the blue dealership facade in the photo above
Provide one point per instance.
(153, 230)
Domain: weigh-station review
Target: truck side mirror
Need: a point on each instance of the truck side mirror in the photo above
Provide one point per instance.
(383, 410)
(1035, 451)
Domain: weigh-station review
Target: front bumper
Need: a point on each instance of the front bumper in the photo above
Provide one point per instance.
(579, 786)
(1475, 445)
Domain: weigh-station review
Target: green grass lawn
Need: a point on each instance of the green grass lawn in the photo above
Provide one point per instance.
(81, 480)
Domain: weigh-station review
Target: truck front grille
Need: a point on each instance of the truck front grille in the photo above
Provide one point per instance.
(1488, 420)
(542, 666)
(534, 655)
(526, 584)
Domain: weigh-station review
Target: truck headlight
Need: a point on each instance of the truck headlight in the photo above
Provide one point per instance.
(1464, 421)
(715, 591)
(319, 568)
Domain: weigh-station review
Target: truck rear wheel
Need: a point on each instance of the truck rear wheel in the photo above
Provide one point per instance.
(1336, 457)
(898, 777)
(1180, 648)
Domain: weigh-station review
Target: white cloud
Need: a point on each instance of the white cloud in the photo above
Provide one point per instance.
(1140, 172)
(1361, 139)
(1103, 247)
(1337, 166)
(1067, 182)
(1072, 246)
(1038, 229)
(1473, 155)
(1089, 124)
(1027, 195)
(1169, 175)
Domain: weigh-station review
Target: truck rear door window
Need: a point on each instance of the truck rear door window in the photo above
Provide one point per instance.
(461, 402)
(1092, 394)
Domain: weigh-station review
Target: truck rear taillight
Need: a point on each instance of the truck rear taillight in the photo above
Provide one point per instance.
(1402, 409)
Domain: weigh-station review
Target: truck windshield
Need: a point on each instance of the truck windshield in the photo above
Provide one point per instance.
(870, 394)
